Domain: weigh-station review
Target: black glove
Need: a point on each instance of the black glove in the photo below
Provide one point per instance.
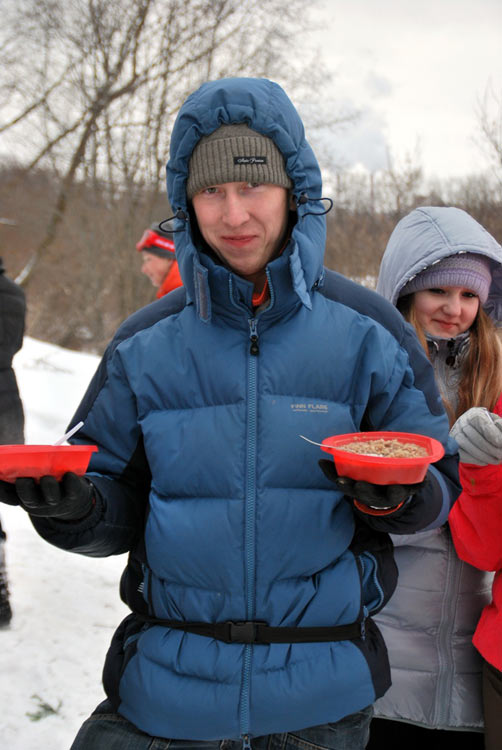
(377, 496)
(8, 493)
(68, 500)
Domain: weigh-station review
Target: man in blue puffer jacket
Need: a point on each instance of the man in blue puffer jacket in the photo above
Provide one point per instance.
(251, 576)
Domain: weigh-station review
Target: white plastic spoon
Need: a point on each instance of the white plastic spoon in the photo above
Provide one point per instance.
(310, 441)
(69, 434)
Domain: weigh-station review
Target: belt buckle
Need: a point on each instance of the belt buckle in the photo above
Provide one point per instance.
(242, 631)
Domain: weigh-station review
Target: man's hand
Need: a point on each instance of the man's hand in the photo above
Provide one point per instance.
(8, 494)
(68, 500)
(376, 496)
(478, 433)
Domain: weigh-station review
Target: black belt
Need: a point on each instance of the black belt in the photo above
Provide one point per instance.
(252, 631)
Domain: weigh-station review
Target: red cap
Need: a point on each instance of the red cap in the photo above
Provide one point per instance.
(152, 240)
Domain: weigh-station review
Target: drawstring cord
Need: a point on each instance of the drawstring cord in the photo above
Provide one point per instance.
(304, 198)
(180, 214)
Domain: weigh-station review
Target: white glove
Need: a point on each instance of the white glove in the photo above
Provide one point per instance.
(478, 433)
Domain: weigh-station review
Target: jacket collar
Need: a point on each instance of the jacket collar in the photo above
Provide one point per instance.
(451, 351)
(219, 291)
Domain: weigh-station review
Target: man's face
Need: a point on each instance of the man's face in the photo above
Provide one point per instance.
(154, 267)
(245, 224)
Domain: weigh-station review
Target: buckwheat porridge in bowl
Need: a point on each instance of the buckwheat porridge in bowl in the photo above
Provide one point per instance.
(386, 448)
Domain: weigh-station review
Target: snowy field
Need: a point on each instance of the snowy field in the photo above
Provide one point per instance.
(65, 606)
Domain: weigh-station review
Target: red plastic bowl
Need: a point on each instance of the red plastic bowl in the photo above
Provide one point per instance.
(382, 469)
(38, 460)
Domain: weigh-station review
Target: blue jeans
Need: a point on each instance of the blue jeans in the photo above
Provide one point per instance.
(106, 730)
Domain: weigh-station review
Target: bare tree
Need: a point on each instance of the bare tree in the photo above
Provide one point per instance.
(92, 94)
(96, 85)
(401, 183)
(489, 117)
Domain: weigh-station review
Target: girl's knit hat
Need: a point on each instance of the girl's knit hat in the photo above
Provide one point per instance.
(469, 270)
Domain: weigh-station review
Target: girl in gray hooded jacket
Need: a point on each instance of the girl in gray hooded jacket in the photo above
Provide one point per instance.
(443, 271)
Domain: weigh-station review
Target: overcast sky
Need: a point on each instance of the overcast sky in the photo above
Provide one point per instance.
(416, 71)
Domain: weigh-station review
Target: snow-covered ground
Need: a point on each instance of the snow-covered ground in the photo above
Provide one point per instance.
(65, 606)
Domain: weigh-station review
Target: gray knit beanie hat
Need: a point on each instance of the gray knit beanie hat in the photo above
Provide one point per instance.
(469, 270)
(235, 153)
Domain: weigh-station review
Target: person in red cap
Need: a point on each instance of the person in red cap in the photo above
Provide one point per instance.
(158, 259)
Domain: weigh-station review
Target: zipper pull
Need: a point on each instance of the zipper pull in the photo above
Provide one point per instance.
(254, 348)
(363, 623)
(450, 359)
(246, 743)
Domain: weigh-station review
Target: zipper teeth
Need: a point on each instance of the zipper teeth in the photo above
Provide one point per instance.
(148, 579)
(245, 691)
(446, 628)
(250, 487)
(250, 527)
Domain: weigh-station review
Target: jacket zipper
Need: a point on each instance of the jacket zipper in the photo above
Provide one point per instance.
(250, 513)
(446, 628)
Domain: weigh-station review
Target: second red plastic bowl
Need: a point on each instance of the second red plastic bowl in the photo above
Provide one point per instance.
(382, 469)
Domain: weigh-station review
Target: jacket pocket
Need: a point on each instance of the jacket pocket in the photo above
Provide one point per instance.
(122, 649)
(374, 554)
(372, 596)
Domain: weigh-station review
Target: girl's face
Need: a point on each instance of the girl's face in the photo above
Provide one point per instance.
(446, 311)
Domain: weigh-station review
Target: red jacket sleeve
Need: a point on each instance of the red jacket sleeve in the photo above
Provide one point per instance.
(476, 518)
